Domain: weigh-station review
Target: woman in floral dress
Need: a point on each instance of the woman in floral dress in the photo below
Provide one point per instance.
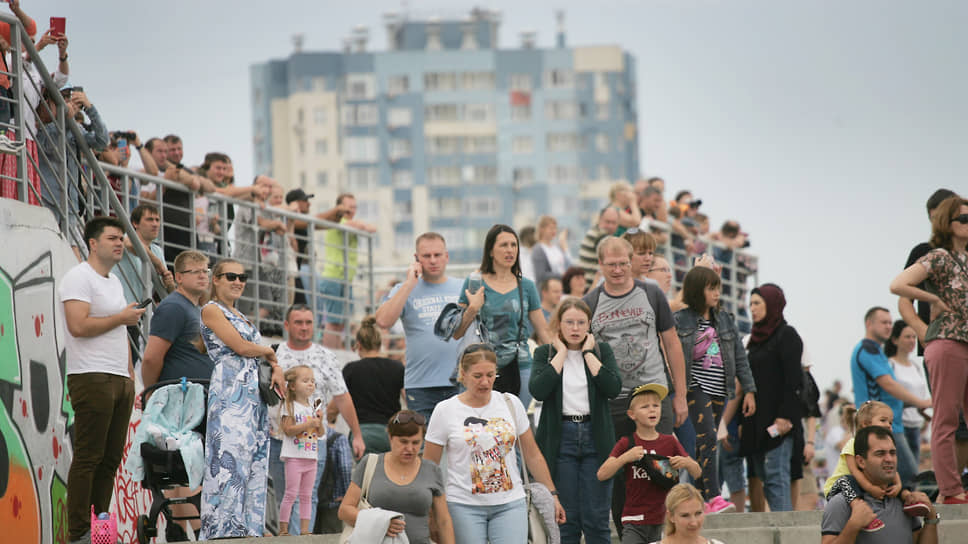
(237, 436)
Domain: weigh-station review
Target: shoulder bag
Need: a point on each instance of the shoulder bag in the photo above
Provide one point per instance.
(537, 528)
(364, 504)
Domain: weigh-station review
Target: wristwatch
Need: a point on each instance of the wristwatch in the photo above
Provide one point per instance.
(933, 521)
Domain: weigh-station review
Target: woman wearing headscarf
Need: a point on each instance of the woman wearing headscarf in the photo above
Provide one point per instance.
(775, 350)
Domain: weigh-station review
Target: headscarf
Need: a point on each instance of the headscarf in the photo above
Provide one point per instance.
(775, 303)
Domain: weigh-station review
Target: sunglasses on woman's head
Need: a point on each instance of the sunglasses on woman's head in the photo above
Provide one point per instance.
(474, 348)
(232, 276)
(406, 417)
(963, 219)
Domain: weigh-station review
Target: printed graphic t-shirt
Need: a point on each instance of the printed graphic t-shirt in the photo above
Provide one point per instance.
(644, 500)
(708, 373)
(305, 444)
(482, 467)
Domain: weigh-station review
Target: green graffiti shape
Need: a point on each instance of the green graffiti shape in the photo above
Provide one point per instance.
(58, 505)
(9, 357)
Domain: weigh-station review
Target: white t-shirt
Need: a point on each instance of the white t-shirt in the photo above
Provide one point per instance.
(911, 377)
(107, 352)
(574, 386)
(305, 444)
(482, 467)
(327, 371)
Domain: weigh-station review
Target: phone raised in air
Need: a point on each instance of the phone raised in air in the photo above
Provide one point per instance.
(144, 304)
(58, 25)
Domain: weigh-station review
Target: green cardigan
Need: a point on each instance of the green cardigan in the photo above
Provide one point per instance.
(545, 385)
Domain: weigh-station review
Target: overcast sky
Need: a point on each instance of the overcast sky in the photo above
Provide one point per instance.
(821, 125)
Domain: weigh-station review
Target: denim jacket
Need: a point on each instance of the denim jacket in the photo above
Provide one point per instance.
(734, 354)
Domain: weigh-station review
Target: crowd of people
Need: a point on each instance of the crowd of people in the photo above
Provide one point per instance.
(591, 375)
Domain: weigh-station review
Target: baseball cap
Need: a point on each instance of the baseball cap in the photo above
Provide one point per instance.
(656, 388)
(297, 194)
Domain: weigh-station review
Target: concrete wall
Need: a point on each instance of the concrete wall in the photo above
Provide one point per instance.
(36, 417)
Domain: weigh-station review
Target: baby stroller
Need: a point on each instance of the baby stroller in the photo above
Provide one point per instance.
(168, 462)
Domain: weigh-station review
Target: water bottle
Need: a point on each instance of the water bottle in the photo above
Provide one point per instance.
(104, 515)
(474, 281)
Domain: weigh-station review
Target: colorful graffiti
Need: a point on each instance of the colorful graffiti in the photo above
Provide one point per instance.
(36, 416)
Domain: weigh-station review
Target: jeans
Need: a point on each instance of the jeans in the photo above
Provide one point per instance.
(498, 524)
(773, 468)
(913, 437)
(947, 362)
(584, 498)
(102, 411)
(423, 400)
(731, 466)
(525, 393)
(277, 471)
(907, 465)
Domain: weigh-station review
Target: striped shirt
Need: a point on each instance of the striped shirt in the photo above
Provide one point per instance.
(708, 373)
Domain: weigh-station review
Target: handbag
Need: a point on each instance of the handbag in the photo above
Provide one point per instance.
(537, 529)
(268, 394)
(364, 504)
(509, 377)
(448, 321)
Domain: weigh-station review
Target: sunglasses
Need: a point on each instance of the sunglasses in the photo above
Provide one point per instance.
(232, 276)
(405, 417)
(474, 348)
(963, 219)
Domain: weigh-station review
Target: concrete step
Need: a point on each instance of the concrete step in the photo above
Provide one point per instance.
(750, 528)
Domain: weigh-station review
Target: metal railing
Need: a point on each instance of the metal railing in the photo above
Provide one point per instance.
(50, 160)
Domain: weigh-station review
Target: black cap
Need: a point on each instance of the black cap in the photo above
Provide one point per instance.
(297, 194)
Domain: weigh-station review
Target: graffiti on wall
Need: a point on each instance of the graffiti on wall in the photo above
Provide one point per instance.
(35, 413)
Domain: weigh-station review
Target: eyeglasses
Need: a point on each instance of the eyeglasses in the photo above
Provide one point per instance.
(622, 264)
(232, 276)
(660, 269)
(205, 271)
(407, 416)
(963, 219)
(575, 323)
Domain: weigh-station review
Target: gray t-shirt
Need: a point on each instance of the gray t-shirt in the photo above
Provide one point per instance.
(898, 528)
(178, 321)
(430, 360)
(412, 500)
(630, 324)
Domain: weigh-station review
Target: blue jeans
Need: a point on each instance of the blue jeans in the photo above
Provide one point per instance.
(423, 399)
(498, 524)
(913, 436)
(731, 466)
(525, 393)
(585, 499)
(907, 464)
(773, 468)
(277, 471)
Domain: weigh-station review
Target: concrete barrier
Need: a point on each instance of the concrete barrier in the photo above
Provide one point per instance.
(769, 528)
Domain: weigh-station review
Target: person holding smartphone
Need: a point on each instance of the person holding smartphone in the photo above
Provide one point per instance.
(575, 376)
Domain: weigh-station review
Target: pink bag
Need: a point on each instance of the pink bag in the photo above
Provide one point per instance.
(104, 531)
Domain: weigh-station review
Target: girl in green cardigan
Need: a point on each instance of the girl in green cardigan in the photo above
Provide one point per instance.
(574, 378)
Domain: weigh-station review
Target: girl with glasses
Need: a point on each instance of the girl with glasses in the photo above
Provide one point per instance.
(403, 483)
(237, 434)
(574, 377)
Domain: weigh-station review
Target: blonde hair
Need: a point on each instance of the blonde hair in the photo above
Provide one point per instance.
(865, 414)
(679, 494)
(291, 375)
(473, 356)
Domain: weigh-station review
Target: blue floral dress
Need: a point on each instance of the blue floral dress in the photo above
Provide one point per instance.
(236, 440)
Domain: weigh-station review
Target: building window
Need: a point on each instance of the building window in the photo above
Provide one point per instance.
(601, 142)
(601, 111)
(321, 147)
(479, 175)
(403, 210)
(399, 148)
(448, 207)
(562, 173)
(402, 179)
(559, 110)
(362, 179)
(562, 141)
(444, 175)
(603, 172)
(360, 114)
(477, 80)
(322, 179)
(319, 115)
(361, 149)
(481, 206)
(302, 180)
(560, 78)
(522, 144)
(521, 112)
(367, 209)
(478, 113)
(480, 144)
(521, 82)
(440, 81)
(442, 145)
(398, 85)
(522, 176)
(399, 117)
(359, 87)
(440, 112)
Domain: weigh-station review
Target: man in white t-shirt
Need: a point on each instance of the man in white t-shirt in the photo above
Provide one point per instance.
(100, 377)
(299, 349)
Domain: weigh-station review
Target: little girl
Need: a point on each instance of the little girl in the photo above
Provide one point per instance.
(302, 426)
(848, 480)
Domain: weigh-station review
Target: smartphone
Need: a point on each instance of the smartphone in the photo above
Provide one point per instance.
(278, 392)
(58, 25)
(144, 303)
(123, 148)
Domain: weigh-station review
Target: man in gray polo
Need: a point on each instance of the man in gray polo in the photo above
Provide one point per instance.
(843, 522)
